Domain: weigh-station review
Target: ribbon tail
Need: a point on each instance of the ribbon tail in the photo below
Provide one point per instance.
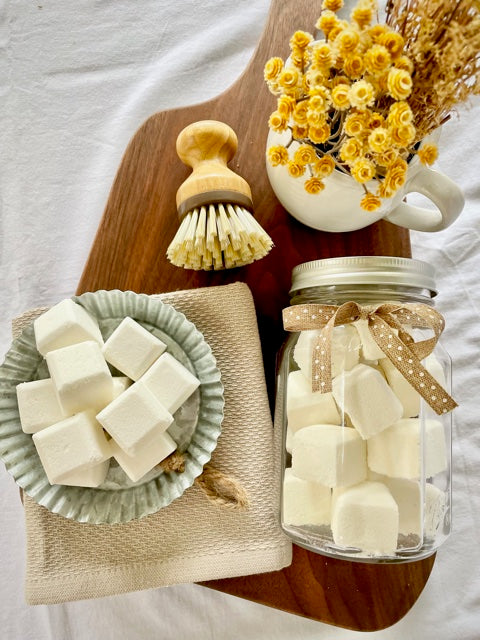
(322, 359)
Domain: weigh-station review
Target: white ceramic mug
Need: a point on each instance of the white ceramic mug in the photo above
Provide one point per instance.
(337, 207)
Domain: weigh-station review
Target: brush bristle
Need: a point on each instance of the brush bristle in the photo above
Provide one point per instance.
(216, 237)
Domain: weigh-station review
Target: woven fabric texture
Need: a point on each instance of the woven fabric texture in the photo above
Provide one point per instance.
(192, 539)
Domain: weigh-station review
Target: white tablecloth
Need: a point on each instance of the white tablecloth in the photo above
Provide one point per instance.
(77, 79)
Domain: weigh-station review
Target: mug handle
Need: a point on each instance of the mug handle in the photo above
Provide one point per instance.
(445, 194)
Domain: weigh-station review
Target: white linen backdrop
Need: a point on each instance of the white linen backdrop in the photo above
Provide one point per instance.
(77, 79)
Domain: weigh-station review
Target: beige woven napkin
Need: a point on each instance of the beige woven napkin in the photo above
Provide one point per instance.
(192, 539)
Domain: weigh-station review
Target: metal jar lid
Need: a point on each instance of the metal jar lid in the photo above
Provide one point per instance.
(364, 270)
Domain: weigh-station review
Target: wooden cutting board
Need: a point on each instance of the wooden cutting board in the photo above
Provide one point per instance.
(129, 253)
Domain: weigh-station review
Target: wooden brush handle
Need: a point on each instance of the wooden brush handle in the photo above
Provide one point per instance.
(207, 146)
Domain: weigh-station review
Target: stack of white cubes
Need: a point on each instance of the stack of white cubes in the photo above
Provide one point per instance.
(82, 416)
(356, 453)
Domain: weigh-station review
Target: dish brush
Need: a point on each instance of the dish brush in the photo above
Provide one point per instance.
(217, 229)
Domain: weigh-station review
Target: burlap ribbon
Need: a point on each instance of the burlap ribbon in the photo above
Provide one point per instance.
(401, 349)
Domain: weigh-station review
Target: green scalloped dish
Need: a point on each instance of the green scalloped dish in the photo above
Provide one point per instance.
(196, 426)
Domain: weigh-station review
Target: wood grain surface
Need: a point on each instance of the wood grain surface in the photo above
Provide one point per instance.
(129, 253)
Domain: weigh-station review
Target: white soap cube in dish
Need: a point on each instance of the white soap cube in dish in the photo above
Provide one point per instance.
(133, 417)
(170, 382)
(64, 324)
(396, 451)
(132, 349)
(148, 455)
(365, 516)
(92, 476)
(81, 377)
(331, 455)
(364, 394)
(404, 391)
(71, 445)
(38, 405)
(305, 407)
(345, 349)
(305, 502)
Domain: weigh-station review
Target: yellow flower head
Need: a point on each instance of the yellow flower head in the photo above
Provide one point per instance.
(286, 105)
(354, 123)
(375, 119)
(387, 158)
(295, 170)
(396, 175)
(316, 117)
(322, 55)
(332, 5)
(361, 94)
(319, 134)
(320, 99)
(376, 31)
(369, 202)
(313, 185)
(314, 78)
(403, 135)
(300, 131)
(272, 69)
(392, 41)
(277, 122)
(399, 83)
(324, 166)
(377, 59)
(300, 39)
(300, 112)
(353, 66)
(351, 150)
(363, 12)
(337, 29)
(298, 57)
(305, 154)
(363, 170)
(404, 62)
(278, 155)
(340, 96)
(326, 22)
(379, 140)
(399, 114)
(347, 41)
(336, 80)
(428, 153)
(288, 78)
(385, 189)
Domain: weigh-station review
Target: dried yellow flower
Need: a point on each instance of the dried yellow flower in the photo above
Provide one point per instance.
(316, 117)
(427, 153)
(277, 122)
(396, 175)
(288, 78)
(399, 114)
(377, 59)
(305, 154)
(340, 96)
(300, 39)
(403, 62)
(379, 140)
(299, 131)
(337, 29)
(351, 150)
(298, 57)
(370, 202)
(326, 22)
(295, 170)
(332, 5)
(320, 99)
(324, 166)
(403, 135)
(353, 66)
(376, 31)
(375, 119)
(300, 112)
(354, 123)
(313, 78)
(387, 158)
(277, 155)
(399, 83)
(322, 55)
(272, 69)
(319, 134)
(313, 185)
(385, 190)
(362, 13)
(363, 170)
(347, 41)
(361, 94)
(286, 105)
(393, 42)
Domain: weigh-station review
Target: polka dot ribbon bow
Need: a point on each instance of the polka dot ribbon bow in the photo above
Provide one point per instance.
(397, 344)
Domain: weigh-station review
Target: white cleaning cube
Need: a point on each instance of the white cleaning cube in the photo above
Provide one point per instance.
(370, 349)
(133, 417)
(170, 382)
(147, 455)
(331, 455)
(305, 407)
(132, 349)
(435, 504)
(92, 476)
(407, 495)
(397, 452)
(38, 405)
(64, 324)
(365, 516)
(120, 384)
(345, 349)
(81, 377)
(304, 501)
(71, 445)
(404, 391)
(364, 394)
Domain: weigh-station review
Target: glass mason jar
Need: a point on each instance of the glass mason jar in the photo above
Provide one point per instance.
(365, 468)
